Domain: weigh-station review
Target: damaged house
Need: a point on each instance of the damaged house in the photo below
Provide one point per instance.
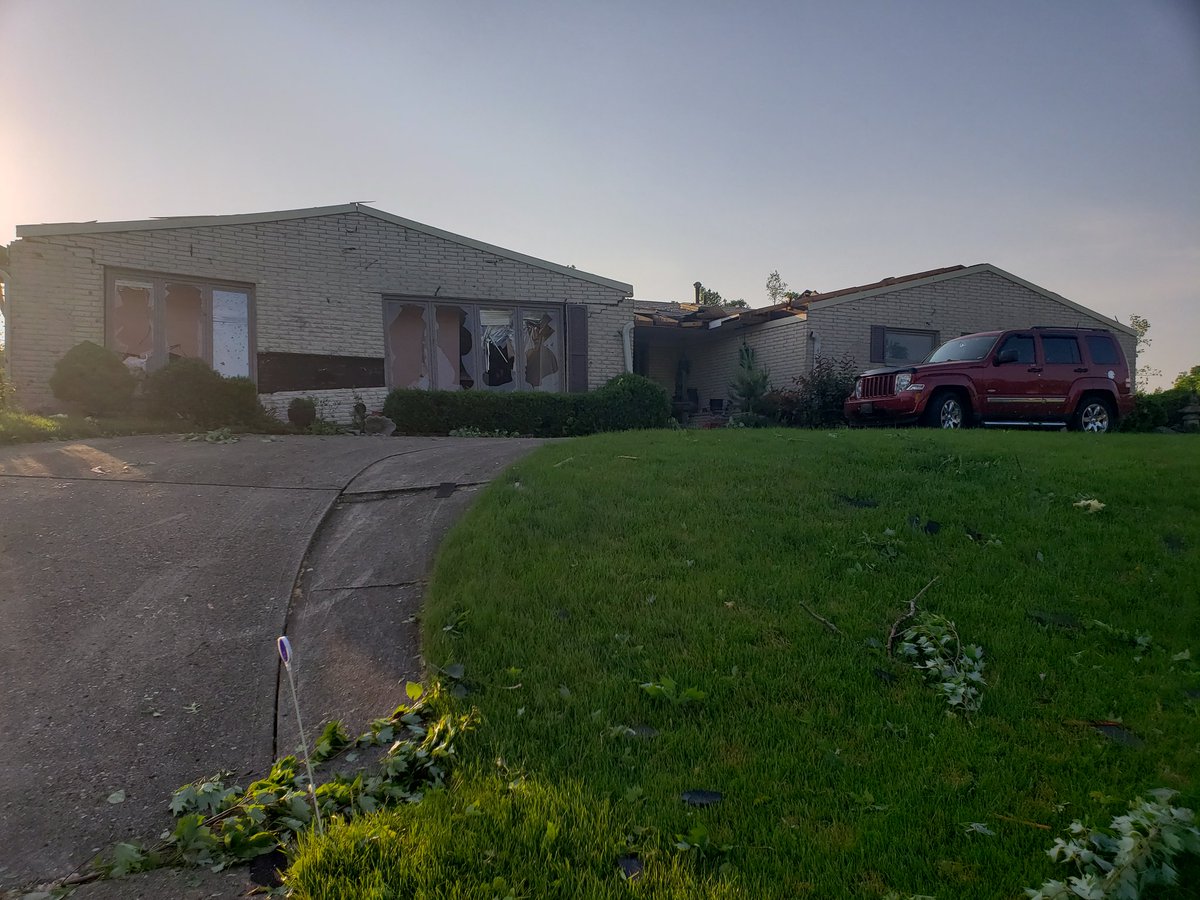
(692, 350)
(332, 302)
(341, 302)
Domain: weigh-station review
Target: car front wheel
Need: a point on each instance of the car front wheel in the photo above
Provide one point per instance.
(946, 411)
(1095, 414)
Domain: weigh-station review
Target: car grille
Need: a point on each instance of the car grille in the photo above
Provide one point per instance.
(878, 386)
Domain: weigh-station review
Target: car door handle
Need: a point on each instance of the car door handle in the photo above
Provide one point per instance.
(1035, 368)
(1081, 370)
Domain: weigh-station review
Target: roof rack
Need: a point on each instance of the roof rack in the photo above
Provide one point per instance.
(1065, 328)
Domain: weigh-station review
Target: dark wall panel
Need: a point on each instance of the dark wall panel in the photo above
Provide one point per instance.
(313, 372)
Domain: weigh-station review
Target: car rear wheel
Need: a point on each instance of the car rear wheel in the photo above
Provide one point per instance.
(1095, 414)
(946, 410)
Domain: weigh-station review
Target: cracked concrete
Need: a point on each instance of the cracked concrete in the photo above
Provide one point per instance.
(142, 584)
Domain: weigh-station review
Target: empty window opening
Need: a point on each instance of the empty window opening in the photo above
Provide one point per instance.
(184, 313)
(408, 364)
(133, 322)
(455, 349)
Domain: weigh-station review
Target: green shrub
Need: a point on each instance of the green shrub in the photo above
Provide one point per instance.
(1155, 410)
(93, 379)
(189, 389)
(627, 401)
(814, 400)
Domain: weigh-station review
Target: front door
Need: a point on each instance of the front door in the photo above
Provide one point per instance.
(1009, 390)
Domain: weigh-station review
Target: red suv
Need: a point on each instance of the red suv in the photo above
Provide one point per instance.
(1031, 376)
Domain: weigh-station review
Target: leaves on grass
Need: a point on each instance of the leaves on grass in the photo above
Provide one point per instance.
(666, 689)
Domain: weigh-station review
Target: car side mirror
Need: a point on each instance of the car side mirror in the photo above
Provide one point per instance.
(1006, 356)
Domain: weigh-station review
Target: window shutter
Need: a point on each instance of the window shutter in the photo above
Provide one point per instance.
(577, 347)
(878, 354)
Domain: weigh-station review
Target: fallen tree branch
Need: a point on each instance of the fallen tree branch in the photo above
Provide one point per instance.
(912, 611)
(820, 619)
(1022, 822)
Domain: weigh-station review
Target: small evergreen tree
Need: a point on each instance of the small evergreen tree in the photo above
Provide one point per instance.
(750, 384)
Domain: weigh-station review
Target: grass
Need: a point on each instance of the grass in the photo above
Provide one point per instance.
(18, 427)
(599, 564)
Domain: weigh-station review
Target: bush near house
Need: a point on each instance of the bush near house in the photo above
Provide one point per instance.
(814, 400)
(93, 379)
(625, 402)
(1161, 408)
(189, 389)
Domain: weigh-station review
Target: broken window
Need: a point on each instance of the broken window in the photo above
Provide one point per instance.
(454, 348)
(231, 332)
(461, 346)
(408, 365)
(543, 349)
(133, 322)
(498, 344)
(152, 320)
(184, 320)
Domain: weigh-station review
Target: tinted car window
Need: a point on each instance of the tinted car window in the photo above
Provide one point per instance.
(1102, 350)
(1061, 350)
(1023, 344)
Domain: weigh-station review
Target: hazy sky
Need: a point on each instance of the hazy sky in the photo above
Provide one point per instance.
(656, 143)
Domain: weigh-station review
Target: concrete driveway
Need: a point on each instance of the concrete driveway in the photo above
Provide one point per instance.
(143, 582)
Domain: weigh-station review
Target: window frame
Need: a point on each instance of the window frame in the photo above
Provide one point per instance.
(158, 282)
(879, 354)
(472, 306)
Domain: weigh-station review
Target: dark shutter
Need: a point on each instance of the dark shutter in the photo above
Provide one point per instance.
(577, 348)
(878, 338)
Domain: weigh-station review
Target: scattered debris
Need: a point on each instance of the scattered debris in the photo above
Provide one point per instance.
(381, 425)
(912, 611)
(562, 462)
(626, 457)
(1055, 619)
(884, 675)
(116, 797)
(932, 527)
(631, 867)
(1021, 821)
(977, 828)
(1090, 505)
(1118, 733)
(858, 502)
(700, 797)
(99, 470)
(804, 606)
(645, 732)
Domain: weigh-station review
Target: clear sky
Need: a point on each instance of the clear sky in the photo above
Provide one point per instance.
(657, 143)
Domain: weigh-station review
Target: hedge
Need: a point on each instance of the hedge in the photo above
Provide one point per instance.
(1162, 408)
(625, 402)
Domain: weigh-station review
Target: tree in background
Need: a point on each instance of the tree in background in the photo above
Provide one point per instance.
(709, 297)
(1142, 374)
(776, 287)
(1189, 380)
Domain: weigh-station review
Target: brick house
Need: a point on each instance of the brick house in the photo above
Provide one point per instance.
(890, 322)
(330, 302)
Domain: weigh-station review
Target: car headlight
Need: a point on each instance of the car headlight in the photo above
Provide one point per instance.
(903, 380)
(858, 389)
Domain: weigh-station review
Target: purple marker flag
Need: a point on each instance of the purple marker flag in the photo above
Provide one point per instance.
(285, 650)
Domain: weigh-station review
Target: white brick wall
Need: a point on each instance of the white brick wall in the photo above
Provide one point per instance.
(334, 406)
(318, 286)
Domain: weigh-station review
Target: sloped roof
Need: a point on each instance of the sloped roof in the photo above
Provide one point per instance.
(888, 285)
(66, 228)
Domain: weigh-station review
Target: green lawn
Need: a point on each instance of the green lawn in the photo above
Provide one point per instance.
(605, 562)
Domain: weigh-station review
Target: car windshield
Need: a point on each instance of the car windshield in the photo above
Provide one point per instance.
(964, 348)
